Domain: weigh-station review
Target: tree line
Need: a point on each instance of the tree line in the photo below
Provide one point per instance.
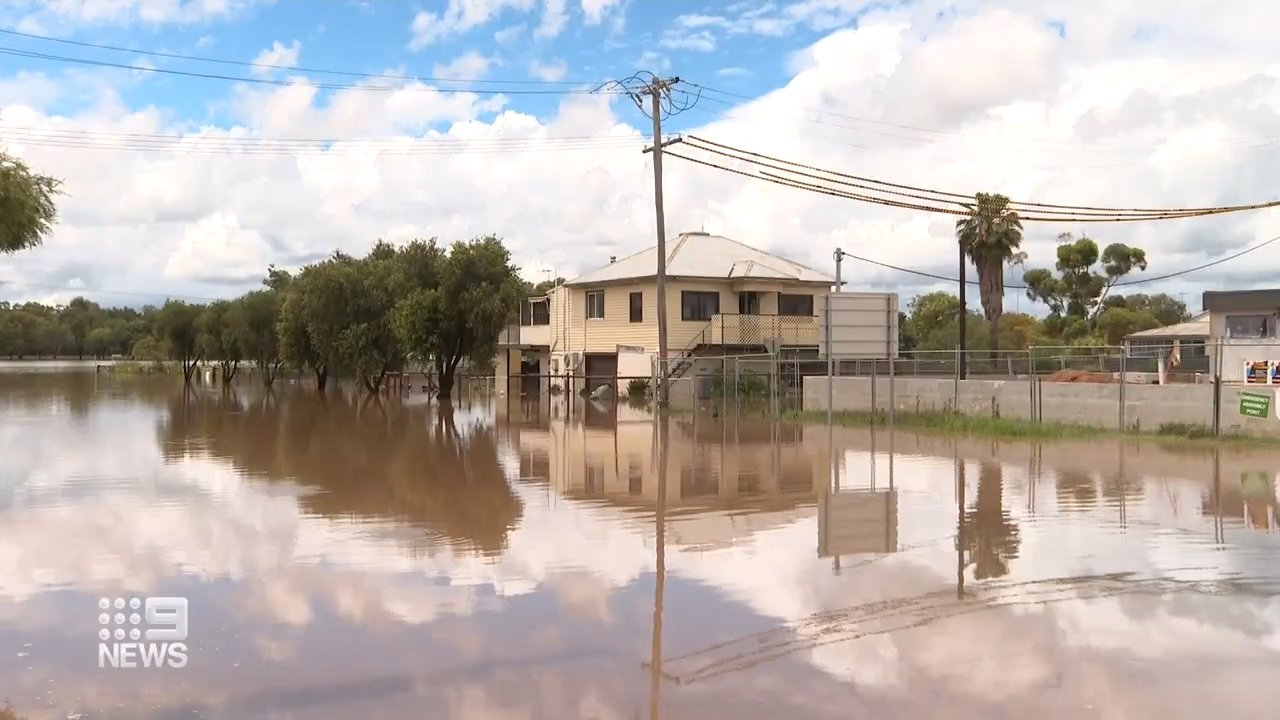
(419, 304)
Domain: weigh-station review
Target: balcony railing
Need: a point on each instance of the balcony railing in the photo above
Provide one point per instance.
(510, 335)
(734, 329)
(535, 335)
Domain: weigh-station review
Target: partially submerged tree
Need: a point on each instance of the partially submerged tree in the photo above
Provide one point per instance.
(27, 209)
(218, 337)
(176, 324)
(296, 347)
(462, 315)
(258, 317)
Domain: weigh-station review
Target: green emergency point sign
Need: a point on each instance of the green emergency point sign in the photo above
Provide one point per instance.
(1255, 404)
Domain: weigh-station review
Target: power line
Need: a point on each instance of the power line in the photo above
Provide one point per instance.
(288, 147)
(1069, 213)
(1141, 281)
(269, 66)
(287, 83)
(1245, 143)
(814, 188)
(875, 186)
(826, 139)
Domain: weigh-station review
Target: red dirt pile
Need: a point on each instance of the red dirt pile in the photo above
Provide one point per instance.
(1080, 376)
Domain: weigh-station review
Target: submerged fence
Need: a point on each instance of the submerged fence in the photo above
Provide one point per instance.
(1224, 387)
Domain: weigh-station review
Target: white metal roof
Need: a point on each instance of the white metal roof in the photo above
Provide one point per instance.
(1197, 326)
(701, 255)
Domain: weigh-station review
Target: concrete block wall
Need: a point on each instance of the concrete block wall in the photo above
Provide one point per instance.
(1147, 407)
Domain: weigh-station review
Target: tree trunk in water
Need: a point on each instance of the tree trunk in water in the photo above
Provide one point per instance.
(269, 372)
(373, 383)
(188, 369)
(445, 389)
(322, 378)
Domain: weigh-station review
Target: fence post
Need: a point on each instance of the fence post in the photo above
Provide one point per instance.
(831, 370)
(724, 374)
(1217, 388)
(874, 382)
(737, 386)
(955, 396)
(893, 404)
(1124, 380)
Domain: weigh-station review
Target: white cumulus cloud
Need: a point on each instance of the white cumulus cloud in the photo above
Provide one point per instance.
(1084, 103)
(277, 56)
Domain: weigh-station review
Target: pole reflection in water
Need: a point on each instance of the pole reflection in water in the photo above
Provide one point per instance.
(660, 565)
(960, 529)
(1219, 529)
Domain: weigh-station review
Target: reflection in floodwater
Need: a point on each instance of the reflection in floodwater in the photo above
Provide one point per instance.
(353, 557)
(358, 457)
(989, 534)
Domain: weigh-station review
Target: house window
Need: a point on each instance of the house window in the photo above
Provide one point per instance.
(795, 305)
(748, 303)
(699, 306)
(1249, 326)
(535, 312)
(595, 305)
(594, 481)
(635, 478)
(637, 306)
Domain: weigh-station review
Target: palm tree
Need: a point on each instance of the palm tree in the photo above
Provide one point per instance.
(991, 234)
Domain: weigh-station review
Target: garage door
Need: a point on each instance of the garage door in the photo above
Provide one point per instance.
(601, 370)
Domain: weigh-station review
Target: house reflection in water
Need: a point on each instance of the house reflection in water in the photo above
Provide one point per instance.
(734, 476)
(1253, 499)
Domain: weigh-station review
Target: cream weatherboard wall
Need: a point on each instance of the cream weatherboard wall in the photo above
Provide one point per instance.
(572, 331)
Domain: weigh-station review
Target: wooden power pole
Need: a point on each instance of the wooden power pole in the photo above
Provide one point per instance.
(657, 89)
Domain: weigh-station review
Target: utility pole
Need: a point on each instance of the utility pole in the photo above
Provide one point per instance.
(962, 360)
(657, 89)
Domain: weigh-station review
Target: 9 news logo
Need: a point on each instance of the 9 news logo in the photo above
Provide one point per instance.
(142, 632)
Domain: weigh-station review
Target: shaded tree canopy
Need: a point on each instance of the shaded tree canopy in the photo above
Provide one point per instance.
(1085, 276)
(931, 324)
(461, 315)
(27, 209)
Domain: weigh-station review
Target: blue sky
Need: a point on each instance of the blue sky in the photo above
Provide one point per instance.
(743, 47)
(1090, 102)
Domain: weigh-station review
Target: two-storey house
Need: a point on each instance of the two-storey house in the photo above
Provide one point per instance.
(722, 298)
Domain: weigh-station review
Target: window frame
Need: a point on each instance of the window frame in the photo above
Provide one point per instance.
(687, 306)
(1267, 325)
(635, 306)
(590, 294)
(530, 318)
(789, 312)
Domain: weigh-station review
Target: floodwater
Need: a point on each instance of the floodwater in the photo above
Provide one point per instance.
(348, 559)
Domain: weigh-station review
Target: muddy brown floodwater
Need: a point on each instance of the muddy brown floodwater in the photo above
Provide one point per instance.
(343, 558)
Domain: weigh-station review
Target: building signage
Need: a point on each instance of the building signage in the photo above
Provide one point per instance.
(1255, 404)
(1261, 372)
